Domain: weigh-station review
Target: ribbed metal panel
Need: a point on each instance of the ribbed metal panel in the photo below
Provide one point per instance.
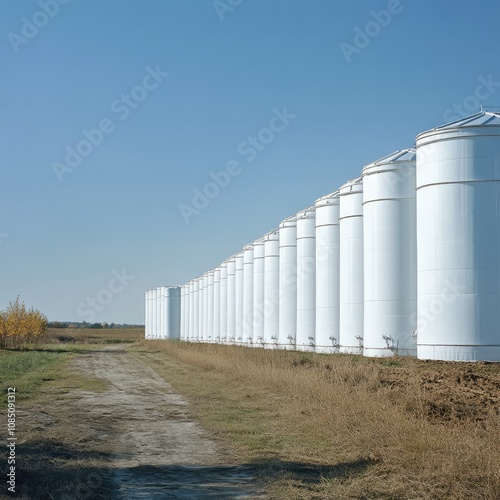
(306, 280)
(327, 273)
(351, 295)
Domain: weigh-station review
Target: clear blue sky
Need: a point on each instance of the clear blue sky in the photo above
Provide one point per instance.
(62, 238)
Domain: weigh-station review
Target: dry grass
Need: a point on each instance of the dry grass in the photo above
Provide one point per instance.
(345, 426)
(314, 426)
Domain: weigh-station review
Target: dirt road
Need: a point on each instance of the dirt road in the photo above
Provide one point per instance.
(159, 451)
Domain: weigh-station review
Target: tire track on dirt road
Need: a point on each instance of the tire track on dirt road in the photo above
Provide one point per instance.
(159, 451)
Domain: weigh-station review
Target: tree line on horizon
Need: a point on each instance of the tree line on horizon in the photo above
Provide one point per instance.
(85, 324)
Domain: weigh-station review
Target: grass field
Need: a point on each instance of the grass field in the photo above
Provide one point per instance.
(343, 426)
(314, 426)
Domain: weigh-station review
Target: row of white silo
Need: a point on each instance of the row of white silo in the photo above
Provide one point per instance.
(163, 312)
(402, 260)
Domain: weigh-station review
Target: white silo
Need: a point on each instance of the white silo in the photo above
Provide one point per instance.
(199, 337)
(458, 240)
(231, 299)
(153, 313)
(191, 312)
(199, 323)
(183, 307)
(327, 273)
(390, 255)
(210, 307)
(306, 280)
(150, 308)
(247, 294)
(223, 302)
(287, 283)
(238, 294)
(196, 310)
(216, 311)
(146, 315)
(185, 329)
(258, 294)
(204, 309)
(351, 294)
(201, 305)
(167, 313)
(173, 312)
(163, 312)
(271, 289)
(159, 312)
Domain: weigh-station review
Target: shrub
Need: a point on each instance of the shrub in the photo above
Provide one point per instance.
(19, 325)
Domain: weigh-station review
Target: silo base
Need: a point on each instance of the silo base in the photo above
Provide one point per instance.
(305, 348)
(271, 345)
(459, 352)
(372, 352)
(351, 350)
(327, 349)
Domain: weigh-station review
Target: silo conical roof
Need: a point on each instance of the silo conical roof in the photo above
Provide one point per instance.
(481, 119)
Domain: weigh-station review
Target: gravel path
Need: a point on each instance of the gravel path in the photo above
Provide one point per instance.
(161, 451)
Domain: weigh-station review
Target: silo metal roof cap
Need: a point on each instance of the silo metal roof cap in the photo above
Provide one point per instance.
(328, 199)
(307, 213)
(401, 156)
(289, 221)
(271, 235)
(351, 187)
(464, 125)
